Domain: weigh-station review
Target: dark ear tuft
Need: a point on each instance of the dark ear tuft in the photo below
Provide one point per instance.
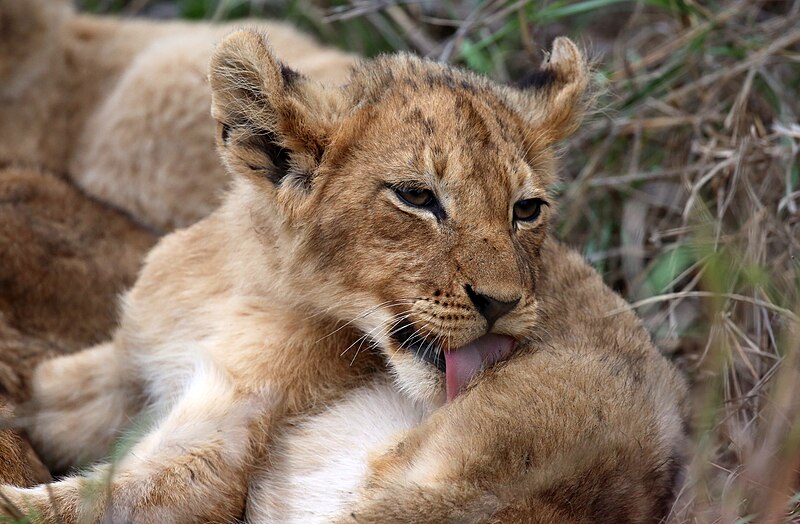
(289, 75)
(267, 143)
(555, 98)
(540, 79)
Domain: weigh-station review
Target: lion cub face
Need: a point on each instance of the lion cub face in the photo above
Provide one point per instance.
(411, 202)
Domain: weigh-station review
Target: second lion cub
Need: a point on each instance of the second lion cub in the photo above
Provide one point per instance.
(409, 207)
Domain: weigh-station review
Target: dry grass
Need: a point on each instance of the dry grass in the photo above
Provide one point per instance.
(684, 191)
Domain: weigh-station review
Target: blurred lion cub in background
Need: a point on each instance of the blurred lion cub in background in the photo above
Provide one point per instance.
(410, 208)
(120, 106)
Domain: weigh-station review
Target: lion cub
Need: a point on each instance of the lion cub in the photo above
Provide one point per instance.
(121, 106)
(406, 211)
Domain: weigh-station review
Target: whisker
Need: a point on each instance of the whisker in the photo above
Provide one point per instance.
(388, 303)
(356, 341)
(417, 332)
(403, 314)
(432, 345)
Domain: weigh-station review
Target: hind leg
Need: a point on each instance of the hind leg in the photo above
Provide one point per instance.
(79, 405)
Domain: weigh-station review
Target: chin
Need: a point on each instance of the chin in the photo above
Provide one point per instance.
(416, 379)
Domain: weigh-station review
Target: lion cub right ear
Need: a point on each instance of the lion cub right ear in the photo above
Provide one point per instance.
(273, 123)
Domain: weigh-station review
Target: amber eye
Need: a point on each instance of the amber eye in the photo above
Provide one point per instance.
(529, 209)
(416, 197)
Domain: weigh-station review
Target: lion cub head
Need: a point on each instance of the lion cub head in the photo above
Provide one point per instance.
(411, 202)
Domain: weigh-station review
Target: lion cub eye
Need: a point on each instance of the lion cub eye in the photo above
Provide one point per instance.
(529, 209)
(416, 197)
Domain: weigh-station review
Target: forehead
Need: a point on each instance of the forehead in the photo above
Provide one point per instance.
(450, 131)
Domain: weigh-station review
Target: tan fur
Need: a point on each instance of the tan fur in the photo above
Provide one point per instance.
(63, 260)
(19, 464)
(253, 316)
(121, 107)
(583, 425)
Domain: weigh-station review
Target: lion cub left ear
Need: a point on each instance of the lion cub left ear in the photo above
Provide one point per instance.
(555, 98)
(273, 123)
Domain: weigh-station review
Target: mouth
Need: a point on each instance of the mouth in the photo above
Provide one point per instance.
(461, 364)
(408, 338)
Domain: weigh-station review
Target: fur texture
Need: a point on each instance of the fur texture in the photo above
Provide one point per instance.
(19, 464)
(64, 258)
(318, 463)
(584, 425)
(121, 106)
(255, 317)
(581, 426)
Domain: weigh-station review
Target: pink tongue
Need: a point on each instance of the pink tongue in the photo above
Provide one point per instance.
(463, 363)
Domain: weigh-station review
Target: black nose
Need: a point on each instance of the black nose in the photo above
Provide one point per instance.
(489, 307)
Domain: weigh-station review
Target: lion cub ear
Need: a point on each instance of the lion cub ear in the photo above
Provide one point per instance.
(555, 98)
(273, 123)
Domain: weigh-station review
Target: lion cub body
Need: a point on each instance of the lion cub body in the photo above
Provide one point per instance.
(374, 233)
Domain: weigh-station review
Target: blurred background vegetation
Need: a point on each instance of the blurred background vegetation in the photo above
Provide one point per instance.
(683, 190)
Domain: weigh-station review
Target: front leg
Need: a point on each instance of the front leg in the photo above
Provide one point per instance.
(192, 467)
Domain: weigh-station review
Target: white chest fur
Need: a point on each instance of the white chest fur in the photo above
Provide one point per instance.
(318, 465)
